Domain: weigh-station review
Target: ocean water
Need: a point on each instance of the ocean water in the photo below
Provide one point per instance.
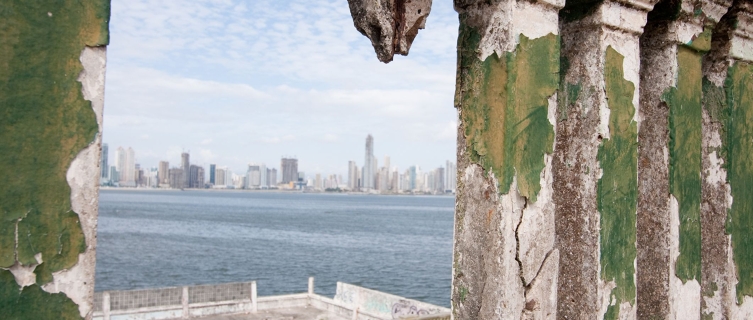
(396, 244)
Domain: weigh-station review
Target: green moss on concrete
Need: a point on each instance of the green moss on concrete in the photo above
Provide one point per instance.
(504, 106)
(32, 302)
(739, 88)
(44, 123)
(702, 42)
(684, 103)
(617, 190)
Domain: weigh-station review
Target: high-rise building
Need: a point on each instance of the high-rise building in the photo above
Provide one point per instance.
(272, 177)
(253, 175)
(126, 167)
(450, 176)
(163, 173)
(175, 176)
(211, 172)
(368, 165)
(219, 176)
(439, 183)
(352, 175)
(318, 185)
(196, 177)
(114, 175)
(185, 164)
(104, 166)
(289, 167)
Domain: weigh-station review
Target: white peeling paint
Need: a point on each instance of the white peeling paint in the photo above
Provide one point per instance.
(534, 20)
(551, 112)
(627, 311)
(684, 299)
(606, 298)
(83, 177)
(543, 290)
(536, 232)
(25, 275)
(510, 208)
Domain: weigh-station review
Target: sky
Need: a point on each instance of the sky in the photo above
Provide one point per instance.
(234, 82)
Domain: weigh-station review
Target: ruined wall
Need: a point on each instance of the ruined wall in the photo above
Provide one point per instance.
(51, 97)
(605, 159)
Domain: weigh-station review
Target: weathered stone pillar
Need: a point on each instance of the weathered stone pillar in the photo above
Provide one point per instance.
(505, 261)
(52, 68)
(677, 36)
(595, 163)
(727, 168)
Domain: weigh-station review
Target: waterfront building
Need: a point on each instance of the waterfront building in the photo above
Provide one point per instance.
(114, 175)
(212, 167)
(272, 177)
(185, 165)
(162, 172)
(126, 167)
(104, 166)
(253, 176)
(175, 177)
(289, 167)
(196, 177)
(368, 165)
(450, 176)
(220, 176)
(318, 185)
(352, 175)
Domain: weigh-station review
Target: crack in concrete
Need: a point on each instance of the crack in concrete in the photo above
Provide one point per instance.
(517, 243)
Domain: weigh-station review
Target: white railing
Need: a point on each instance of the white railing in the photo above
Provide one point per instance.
(236, 298)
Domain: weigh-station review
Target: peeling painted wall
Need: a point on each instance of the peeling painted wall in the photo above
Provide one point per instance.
(51, 91)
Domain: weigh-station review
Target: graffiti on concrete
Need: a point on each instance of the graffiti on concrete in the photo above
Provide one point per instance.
(407, 308)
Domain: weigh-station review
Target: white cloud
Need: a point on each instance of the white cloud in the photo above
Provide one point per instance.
(260, 80)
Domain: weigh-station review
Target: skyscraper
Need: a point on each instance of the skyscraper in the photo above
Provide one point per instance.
(253, 174)
(289, 167)
(185, 164)
(352, 175)
(126, 167)
(163, 173)
(104, 166)
(196, 177)
(211, 172)
(368, 165)
(272, 177)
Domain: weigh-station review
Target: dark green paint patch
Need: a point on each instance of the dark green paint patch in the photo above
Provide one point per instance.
(715, 104)
(504, 106)
(684, 103)
(739, 88)
(617, 190)
(44, 123)
(32, 302)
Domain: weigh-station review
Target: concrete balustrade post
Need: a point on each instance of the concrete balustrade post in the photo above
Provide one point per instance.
(184, 301)
(677, 36)
(726, 210)
(106, 305)
(505, 260)
(311, 285)
(595, 158)
(254, 298)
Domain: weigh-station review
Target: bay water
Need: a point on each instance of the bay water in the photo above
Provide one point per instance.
(159, 238)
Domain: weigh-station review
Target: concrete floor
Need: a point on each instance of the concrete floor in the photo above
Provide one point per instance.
(280, 314)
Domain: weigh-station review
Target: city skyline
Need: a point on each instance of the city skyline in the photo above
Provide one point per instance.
(257, 175)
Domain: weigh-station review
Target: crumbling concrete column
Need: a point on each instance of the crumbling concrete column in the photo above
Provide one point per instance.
(52, 68)
(727, 169)
(505, 260)
(677, 36)
(595, 162)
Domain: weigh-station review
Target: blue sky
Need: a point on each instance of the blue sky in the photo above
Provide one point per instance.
(251, 81)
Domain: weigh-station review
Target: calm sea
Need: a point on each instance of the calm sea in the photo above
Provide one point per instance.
(396, 244)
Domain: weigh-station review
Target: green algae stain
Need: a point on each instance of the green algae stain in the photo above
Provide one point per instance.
(32, 302)
(617, 190)
(739, 88)
(504, 106)
(685, 106)
(44, 123)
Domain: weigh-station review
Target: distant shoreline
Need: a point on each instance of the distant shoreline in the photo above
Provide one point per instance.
(275, 191)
